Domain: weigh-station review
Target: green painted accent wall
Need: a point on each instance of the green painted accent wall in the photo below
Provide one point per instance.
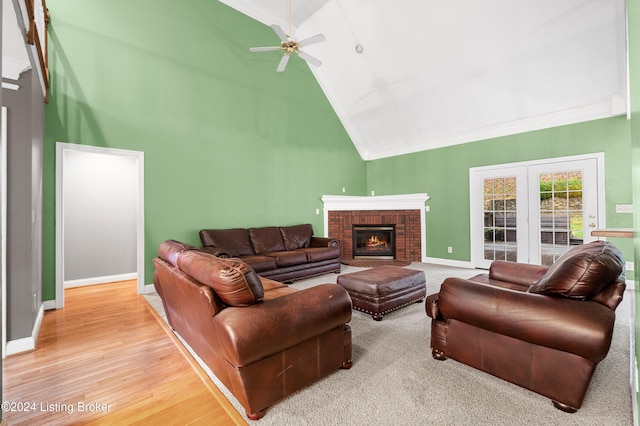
(227, 141)
(444, 174)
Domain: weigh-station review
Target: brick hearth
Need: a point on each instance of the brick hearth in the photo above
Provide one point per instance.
(408, 230)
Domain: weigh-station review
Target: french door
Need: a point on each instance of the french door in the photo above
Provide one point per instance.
(534, 212)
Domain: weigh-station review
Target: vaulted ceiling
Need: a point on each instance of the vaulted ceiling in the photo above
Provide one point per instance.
(433, 74)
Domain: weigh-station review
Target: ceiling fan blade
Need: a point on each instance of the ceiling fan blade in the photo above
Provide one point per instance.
(280, 33)
(311, 40)
(310, 59)
(283, 62)
(264, 49)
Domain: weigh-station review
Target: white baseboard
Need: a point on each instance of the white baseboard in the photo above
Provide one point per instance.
(633, 379)
(149, 288)
(49, 304)
(100, 280)
(27, 343)
(448, 262)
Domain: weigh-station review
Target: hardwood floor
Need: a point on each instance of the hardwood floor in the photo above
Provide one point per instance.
(106, 358)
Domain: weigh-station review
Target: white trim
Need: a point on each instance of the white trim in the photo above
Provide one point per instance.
(61, 147)
(633, 360)
(100, 280)
(49, 304)
(12, 67)
(3, 228)
(10, 86)
(149, 288)
(449, 262)
(380, 202)
(27, 343)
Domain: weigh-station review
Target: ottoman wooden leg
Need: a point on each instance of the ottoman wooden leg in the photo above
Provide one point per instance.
(377, 317)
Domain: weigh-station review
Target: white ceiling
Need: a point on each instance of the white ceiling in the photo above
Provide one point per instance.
(434, 74)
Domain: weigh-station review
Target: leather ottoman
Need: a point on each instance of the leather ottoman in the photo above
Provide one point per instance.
(383, 289)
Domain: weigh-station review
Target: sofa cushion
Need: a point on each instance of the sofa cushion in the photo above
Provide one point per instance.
(266, 240)
(234, 241)
(318, 254)
(288, 258)
(235, 282)
(297, 236)
(260, 263)
(582, 272)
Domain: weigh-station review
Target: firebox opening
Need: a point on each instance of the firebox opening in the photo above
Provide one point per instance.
(377, 242)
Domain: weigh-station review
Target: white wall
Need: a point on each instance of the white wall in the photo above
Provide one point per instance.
(99, 210)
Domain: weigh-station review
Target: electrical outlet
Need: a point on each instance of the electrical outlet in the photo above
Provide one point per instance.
(317, 211)
(449, 249)
(628, 266)
(373, 193)
(344, 189)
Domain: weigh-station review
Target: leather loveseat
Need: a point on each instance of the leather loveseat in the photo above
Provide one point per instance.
(542, 328)
(282, 253)
(261, 339)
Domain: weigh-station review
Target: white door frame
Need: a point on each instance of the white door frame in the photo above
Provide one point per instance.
(3, 227)
(61, 147)
(475, 172)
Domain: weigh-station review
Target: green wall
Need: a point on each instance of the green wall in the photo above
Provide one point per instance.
(227, 140)
(444, 174)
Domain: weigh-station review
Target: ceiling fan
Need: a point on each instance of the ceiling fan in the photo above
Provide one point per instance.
(291, 46)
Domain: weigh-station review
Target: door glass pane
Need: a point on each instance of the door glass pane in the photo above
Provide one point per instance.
(561, 213)
(500, 219)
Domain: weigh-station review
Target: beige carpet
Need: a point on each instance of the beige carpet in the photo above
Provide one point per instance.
(395, 381)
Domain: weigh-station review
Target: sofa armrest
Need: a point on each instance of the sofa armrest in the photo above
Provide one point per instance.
(218, 252)
(323, 242)
(580, 327)
(431, 306)
(248, 334)
(519, 273)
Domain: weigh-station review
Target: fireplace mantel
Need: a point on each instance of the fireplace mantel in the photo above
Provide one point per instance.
(383, 204)
(378, 202)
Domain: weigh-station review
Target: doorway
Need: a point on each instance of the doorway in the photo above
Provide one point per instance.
(90, 181)
(533, 212)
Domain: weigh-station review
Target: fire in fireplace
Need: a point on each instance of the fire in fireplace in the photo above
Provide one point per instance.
(374, 241)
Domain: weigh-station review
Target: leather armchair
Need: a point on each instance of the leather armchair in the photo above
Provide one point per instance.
(545, 329)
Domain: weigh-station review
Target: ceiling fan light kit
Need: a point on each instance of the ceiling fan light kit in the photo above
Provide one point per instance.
(289, 46)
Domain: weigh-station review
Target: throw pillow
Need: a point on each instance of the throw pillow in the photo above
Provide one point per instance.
(297, 237)
(582, 272)
(235, 282)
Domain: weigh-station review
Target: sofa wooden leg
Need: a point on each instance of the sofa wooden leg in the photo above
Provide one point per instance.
(257, 415)
(346, 365)
(438, 355)
(564, 407)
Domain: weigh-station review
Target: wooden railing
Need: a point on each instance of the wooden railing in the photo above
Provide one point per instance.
(38, 16)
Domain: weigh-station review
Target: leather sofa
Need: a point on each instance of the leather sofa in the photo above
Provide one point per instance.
(262, 339)
(282, 253)
(542, 328)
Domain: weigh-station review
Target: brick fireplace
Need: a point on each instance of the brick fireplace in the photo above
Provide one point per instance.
(405, 213)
